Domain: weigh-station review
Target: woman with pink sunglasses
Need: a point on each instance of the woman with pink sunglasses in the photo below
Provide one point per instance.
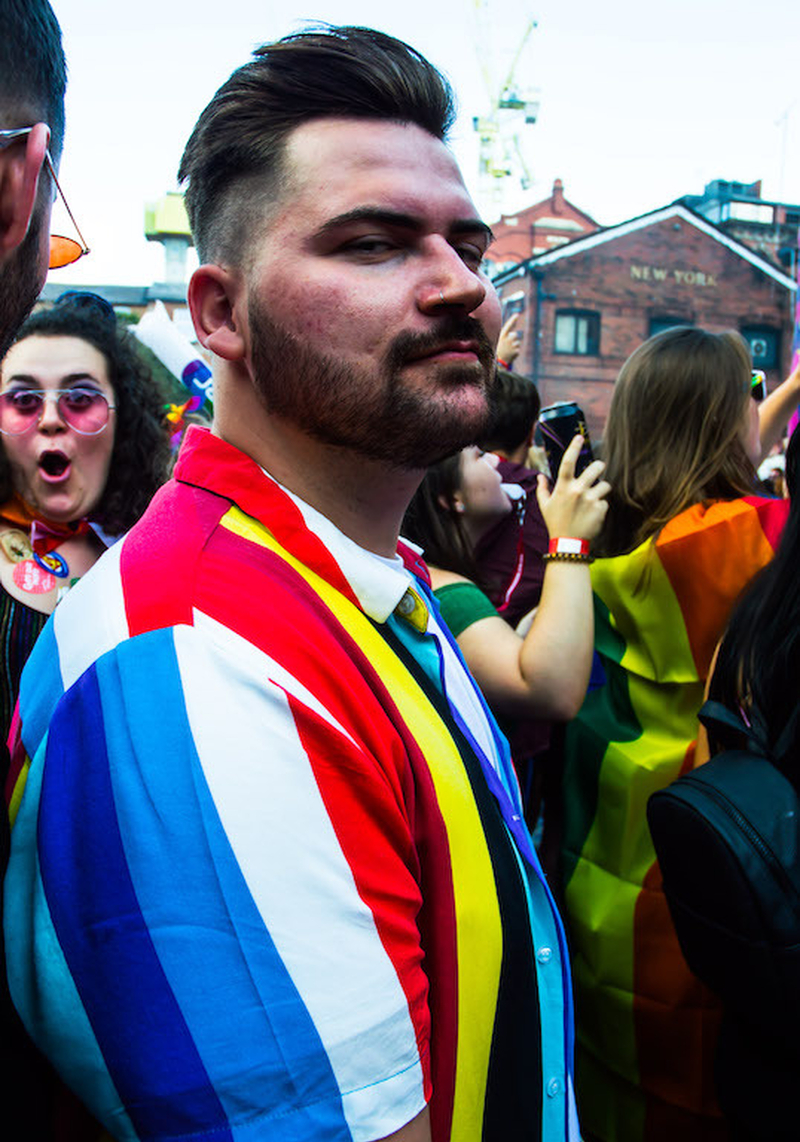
(82, 450)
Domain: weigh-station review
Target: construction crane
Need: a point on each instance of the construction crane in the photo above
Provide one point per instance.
(512, 107)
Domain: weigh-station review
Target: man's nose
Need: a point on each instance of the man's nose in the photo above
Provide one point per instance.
(450, 282)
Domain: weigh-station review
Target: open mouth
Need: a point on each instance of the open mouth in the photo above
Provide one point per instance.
(54, 464)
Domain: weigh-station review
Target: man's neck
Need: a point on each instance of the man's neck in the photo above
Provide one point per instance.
(364, 498)
(516, 456)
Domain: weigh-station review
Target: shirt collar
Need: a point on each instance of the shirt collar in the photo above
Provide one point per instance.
(376, 584)
(379, 583)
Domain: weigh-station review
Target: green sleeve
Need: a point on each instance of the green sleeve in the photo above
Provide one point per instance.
(463, 604)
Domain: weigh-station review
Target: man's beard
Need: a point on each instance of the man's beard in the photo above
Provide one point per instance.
(377, 413)
(19, 284)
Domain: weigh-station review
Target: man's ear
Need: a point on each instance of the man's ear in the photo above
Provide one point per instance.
(212, 295)
(20, 167)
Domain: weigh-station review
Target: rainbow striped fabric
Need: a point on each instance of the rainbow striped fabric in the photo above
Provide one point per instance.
(646, 1028)
(261, 883)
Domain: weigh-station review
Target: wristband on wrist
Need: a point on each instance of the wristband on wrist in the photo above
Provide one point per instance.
(567, 549)
(503, 364)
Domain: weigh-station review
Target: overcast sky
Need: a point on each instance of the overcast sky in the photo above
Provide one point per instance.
(640, 102)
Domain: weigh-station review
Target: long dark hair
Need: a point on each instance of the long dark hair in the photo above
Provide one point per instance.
(140, 459)
(759, 660)
(433, 522)
(673, 436)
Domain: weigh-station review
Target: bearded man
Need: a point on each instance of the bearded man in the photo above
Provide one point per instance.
(270, 853)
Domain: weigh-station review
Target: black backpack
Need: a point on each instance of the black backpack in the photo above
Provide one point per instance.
(727, 837)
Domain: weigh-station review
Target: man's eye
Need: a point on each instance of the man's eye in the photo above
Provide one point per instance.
(370, 247)
(472, 256)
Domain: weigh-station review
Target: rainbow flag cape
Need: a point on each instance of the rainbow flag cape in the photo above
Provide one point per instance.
(646, 1027)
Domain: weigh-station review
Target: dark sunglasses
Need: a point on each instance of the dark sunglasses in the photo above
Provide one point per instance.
(63, 251)
(758, 385)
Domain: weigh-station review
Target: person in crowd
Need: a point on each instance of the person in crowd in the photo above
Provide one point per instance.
(269, 870)
(509, 556)
(682, 538)
(33, 80)
(727, 941)
(544, 674)
(509, 553)
(82, 452)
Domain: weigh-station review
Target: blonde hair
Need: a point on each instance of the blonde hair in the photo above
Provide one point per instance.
(674, 432)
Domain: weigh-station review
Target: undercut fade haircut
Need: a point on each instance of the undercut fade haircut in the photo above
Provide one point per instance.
(234, 159)
(33, 71)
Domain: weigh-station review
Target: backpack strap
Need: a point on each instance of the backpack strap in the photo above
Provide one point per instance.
(729, 728)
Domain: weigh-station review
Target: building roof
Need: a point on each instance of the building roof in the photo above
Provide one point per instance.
(588, 242)
(538, 211)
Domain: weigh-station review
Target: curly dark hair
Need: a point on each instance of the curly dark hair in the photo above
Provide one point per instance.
(140, 458)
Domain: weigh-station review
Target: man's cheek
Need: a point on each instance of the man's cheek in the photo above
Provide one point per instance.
(489, 315)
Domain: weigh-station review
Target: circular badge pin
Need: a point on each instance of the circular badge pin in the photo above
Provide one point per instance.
(54, 563)
(30, 576)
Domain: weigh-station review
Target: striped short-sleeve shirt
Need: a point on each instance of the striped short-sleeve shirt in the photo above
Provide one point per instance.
(266, 881)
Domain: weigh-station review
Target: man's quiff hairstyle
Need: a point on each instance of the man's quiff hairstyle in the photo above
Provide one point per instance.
(234, 158)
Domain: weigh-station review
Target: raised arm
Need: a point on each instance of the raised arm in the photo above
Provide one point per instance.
(547, 672)
(775, 411)
(508, 345)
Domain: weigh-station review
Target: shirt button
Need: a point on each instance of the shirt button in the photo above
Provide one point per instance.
(544, 955)
(406, 604)
(553, 1088)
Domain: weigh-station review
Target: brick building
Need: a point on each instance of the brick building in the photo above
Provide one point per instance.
(768, 227)
(588, 304)
(537, 229)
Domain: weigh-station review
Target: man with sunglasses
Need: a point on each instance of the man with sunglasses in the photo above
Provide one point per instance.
(32, 86)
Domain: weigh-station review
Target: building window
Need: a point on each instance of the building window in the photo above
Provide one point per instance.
(659, 324)
(764, 345)
(513, 303)
(577, 331)
(748, 212)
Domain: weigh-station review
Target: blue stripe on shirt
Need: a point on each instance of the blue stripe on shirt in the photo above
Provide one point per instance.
(146, 1044)
(259, 1044)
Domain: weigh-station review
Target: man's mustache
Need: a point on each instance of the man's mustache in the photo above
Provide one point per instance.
(408, 346)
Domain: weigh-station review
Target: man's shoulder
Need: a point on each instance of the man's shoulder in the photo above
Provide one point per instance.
(141, 584)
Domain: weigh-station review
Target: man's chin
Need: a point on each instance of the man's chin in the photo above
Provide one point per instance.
(448, 428)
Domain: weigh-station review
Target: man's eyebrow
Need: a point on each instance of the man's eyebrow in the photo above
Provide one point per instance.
(403, 221)
(473, 226)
